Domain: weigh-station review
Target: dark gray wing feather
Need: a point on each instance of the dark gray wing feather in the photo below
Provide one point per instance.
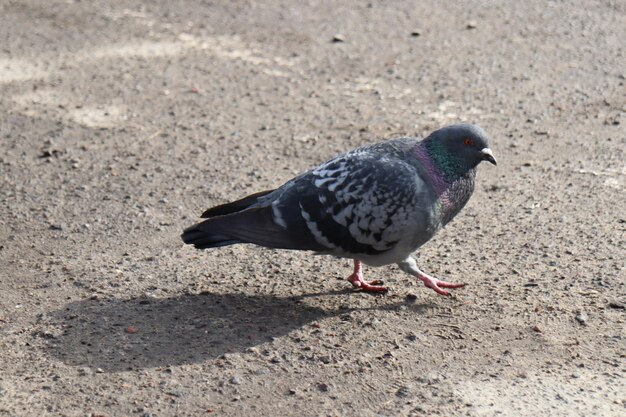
(253, 225)
(361, 202)
(235, 206)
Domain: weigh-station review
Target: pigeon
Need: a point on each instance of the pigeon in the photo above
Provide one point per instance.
(376, 204)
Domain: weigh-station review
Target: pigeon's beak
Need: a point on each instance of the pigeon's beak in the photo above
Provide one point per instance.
(488, 155)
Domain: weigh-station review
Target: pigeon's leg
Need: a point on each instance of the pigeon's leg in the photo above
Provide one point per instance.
(357, 280)
(410, 266)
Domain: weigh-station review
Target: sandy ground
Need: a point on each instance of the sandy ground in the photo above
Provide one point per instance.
(121, 121)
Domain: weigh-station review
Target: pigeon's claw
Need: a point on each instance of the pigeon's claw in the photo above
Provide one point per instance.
(372, 286)
(356, 279)
(438, 285)
(409, 265)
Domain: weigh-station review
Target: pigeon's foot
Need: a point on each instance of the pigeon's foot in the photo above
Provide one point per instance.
(371, 286)
(356, 279)
(409, 265)
(438, 285)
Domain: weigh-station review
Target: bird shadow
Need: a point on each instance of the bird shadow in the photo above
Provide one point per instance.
(125, 334)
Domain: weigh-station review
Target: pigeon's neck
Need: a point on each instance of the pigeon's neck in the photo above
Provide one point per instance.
(442, 168)
(453, 184)
(454, 198)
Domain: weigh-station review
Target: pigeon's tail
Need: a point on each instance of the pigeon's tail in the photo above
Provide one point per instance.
(201, 239)
(253, 225)
(208, 234)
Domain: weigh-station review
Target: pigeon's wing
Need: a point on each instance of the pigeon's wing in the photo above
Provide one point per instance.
(235, 206)
(362, 202)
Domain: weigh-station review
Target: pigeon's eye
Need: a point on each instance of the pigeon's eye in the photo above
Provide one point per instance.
(468, 142)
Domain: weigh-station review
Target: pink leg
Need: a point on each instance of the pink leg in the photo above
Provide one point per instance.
(357, 280)
(410, 266)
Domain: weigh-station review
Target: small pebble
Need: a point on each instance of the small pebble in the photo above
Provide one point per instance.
(403, 392)
(411, 297)
(416, 33)
(236, 380)
(131, 330)
(84, 371)
(323, 387)
(471, 25)
(429, 379)
(338, 38)
(582, 318)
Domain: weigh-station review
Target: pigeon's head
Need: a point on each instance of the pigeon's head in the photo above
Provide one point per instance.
(460, 146)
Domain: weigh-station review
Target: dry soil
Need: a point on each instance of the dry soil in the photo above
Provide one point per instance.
(121, 121)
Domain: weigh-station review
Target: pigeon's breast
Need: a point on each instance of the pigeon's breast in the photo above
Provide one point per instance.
(411, 223)
(454, 198)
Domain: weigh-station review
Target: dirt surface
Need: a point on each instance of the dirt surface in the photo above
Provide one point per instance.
(122, 121)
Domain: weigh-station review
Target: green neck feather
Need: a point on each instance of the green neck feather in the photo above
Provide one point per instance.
(450, 166)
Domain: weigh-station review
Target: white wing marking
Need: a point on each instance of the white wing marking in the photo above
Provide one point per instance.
(317, 233)
(277, 216)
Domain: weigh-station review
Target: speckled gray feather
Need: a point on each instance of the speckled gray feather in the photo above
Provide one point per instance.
(359, 203)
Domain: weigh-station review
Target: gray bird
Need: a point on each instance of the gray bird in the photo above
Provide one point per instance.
(376, 204)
